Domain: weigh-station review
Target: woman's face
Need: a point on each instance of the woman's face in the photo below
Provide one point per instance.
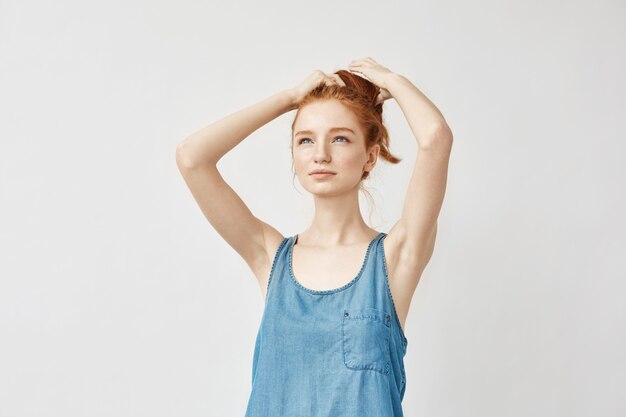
(319, 144)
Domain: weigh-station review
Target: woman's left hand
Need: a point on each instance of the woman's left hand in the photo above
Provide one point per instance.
(373, 72)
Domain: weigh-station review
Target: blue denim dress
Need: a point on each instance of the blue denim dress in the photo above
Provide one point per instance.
(329, 353)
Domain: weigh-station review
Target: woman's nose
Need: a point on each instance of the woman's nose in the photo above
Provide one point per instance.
(321, 153)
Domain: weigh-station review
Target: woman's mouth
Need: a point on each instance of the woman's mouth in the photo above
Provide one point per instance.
(321, 171)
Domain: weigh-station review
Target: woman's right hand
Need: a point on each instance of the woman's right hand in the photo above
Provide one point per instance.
(313, 81)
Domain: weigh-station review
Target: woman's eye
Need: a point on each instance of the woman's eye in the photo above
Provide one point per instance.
(338, 137)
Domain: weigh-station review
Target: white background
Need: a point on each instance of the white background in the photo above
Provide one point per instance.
(117, 297)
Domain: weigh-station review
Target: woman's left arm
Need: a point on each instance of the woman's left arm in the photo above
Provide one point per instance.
(417, 226)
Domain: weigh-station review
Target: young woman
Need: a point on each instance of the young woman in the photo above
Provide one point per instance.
(331, 341)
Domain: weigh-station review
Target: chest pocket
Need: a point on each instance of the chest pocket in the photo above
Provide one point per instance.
(365, 339)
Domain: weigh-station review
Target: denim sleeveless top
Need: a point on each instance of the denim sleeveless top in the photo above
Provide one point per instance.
(329, 353)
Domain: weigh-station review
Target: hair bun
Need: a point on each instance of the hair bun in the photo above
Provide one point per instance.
(362, 86)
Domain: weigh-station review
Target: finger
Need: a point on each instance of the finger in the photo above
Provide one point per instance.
(356, 63)
(331, 81)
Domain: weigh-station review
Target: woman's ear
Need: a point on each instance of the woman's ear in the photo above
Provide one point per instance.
(373, 156)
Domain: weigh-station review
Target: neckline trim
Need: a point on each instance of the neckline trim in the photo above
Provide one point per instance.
(293, 279)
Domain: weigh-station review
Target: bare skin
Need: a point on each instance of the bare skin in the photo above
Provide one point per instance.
(338, 234)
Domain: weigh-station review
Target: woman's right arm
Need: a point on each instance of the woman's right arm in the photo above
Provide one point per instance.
(197, 157)
(207, 146)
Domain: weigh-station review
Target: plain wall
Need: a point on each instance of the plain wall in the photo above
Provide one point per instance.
(117, 297)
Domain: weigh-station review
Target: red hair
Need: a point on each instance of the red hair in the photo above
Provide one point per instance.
(359, 95)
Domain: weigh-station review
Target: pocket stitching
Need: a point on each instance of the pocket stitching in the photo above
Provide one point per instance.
(370, 315)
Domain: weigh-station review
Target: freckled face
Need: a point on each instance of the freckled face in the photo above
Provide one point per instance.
(327, 136)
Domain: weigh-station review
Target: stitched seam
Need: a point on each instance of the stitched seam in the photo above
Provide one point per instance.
(267, 289)
(395, 313)
(335, 290)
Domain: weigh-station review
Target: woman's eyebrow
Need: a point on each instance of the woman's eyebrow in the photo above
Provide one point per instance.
(334, 129)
